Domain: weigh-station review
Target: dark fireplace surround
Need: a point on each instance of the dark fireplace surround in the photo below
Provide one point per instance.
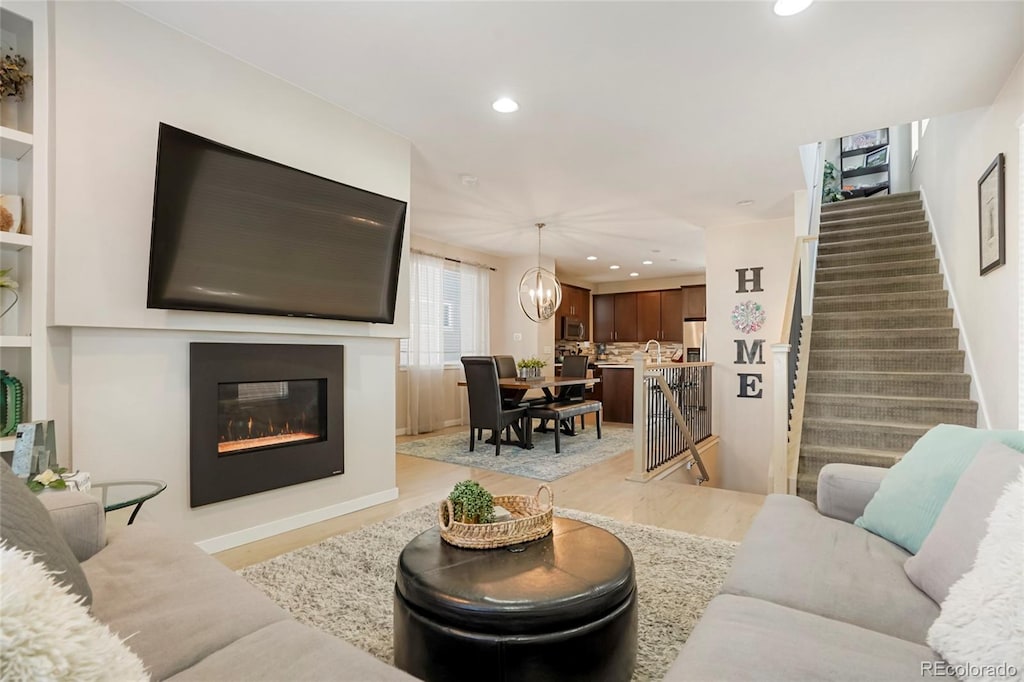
(263, 416)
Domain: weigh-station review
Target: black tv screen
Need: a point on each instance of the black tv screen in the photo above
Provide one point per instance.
(233, 232)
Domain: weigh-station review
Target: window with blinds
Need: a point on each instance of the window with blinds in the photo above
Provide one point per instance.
(455, 290)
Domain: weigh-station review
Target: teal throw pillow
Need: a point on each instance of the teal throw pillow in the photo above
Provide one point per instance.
(915, 490)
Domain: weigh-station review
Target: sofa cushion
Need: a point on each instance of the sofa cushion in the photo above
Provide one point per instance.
(949, 550)
(290, 651)
(741, 638)
(26, 525)
(795, 557)
(915, 490)
(173, 603)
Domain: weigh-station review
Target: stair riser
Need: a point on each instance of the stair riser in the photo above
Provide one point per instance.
(888, 285)
(864, 211)
(874, 220)
(886, 411)
(956, 387)
(902, 241)
(876, 257)
(877, 270)
(923, 300)
(836, 236)
(877, 200)
(918, 339)
(869, 361)
(859, 436)
(813, 462)
(931, 319)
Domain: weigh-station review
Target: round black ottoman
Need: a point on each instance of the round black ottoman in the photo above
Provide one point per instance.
(560, 608)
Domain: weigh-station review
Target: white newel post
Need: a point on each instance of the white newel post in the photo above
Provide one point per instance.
(639, 416)
(780, 417)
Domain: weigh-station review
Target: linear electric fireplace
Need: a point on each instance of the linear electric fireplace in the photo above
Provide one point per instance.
(263, 416)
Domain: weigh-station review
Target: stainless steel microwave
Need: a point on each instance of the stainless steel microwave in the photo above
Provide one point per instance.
(573, 329)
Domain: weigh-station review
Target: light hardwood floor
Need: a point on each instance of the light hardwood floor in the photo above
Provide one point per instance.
(673, 502)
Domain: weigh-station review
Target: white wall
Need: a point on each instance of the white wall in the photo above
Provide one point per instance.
(117, 75)
(744, 424)
(954, 152)
(653, 284)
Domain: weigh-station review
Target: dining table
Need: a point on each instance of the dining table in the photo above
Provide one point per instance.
(516, 388)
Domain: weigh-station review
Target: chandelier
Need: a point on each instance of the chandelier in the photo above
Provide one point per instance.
(540, 292)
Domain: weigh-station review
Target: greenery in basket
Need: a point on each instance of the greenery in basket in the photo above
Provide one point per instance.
(472, 503)
(830, 189)
(13, 77)
(48, 479)
(531, 363)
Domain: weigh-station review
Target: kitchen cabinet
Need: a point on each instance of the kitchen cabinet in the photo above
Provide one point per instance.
(625, 317)
(604, 318)
(616, 393)
(575, 304)
(660, 315)
(695, 303)
(615, 317)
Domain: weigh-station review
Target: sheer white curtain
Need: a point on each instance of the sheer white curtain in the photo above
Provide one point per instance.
(425, 409)
(474, 312)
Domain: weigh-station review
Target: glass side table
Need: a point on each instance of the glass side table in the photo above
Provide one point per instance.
(121, 494)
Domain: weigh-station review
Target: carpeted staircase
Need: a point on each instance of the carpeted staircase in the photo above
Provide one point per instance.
(884, 360)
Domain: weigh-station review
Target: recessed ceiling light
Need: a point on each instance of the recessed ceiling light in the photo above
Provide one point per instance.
(787, 8)
(591, 257)
(745, 202)
(648, 262)
(655, 250)
(505, 105)
(673, 259)
(613, 267)
(634, 274)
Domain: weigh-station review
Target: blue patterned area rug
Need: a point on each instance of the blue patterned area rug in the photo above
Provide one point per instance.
(541, 463)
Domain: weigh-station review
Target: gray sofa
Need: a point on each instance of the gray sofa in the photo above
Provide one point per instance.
(812, 597)
(186, 615)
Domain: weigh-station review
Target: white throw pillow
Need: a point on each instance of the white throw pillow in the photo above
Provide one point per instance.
(980, 631)
(46, 633)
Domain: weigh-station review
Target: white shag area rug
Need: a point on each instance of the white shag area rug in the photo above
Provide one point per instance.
(345, 585)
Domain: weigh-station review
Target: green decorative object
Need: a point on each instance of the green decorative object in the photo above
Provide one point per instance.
(831, 191)
(48, 479)
(12, 403)
(472, 503)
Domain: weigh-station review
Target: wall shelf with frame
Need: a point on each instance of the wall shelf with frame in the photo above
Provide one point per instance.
(24, 146)
(861, 155)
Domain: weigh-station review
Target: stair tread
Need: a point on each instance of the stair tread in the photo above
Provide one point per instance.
(887, 239)
(891, 351)
(874, 313)
(887, 280)
(830, 372)
(882, 252)
(897, 206)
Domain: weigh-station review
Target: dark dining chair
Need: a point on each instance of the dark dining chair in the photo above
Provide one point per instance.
(573, 367)
(486, 408)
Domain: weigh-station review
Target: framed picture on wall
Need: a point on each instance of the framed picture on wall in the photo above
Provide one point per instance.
(879, 158)
(992, 216)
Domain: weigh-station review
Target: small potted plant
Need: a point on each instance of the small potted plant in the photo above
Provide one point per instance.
(48, 479)
(530, 368)
(472, 503)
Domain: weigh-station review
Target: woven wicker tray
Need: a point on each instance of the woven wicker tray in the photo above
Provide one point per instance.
(530, 521)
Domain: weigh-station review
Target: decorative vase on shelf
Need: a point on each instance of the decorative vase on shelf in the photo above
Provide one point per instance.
(11, 213)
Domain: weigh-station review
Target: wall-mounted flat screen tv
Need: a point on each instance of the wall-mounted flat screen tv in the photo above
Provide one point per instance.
(236, 233)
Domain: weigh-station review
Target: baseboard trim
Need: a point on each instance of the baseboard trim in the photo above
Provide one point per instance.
(266, 530)
(404, 431)
(985, 422)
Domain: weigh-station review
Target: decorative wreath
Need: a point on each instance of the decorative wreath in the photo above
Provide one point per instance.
(748, 317)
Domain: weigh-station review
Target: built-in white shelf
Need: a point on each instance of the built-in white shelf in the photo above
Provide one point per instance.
(14, 241)
(14, 144)
(15, 341)
(7, 443)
